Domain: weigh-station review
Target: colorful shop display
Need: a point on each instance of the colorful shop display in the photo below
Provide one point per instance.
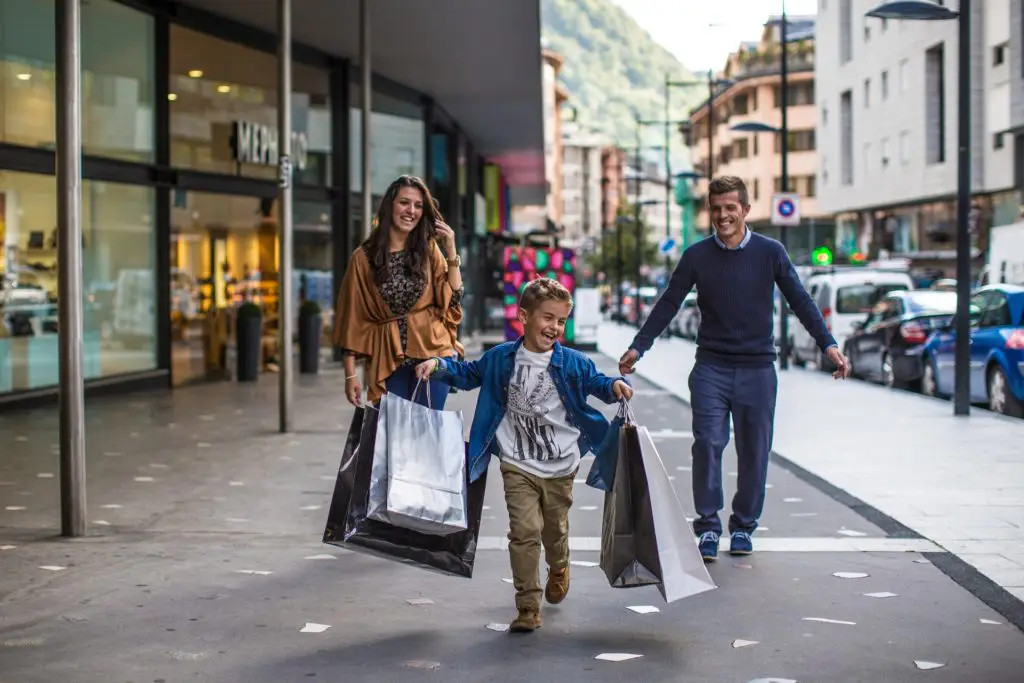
(523, 264)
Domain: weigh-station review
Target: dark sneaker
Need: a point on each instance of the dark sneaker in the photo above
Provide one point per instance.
(709, 546)
(741, 543)
(528, 620)
(558, 585)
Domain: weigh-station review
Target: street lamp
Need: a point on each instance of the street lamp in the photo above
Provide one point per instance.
(923, 10)
(638, 236)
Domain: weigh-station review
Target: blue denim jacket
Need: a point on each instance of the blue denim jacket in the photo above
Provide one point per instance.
(574, 375)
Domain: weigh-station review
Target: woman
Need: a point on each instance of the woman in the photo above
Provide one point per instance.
(400, 302)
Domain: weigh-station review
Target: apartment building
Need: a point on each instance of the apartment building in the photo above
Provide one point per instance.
(887, 134)
(581, 186)
(750, 92)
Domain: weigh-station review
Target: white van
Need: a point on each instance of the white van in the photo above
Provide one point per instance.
(844, 296)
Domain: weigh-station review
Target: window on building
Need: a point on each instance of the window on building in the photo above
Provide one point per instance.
(845, 31)
(904, 74)
(224, 110)
(777, 184)
(999, 54)
(824, 114)
(935, 105)
(810, 186)
(867, 159)
(905, 147)
(867, 93)
(798, 141)
(757, 189)
(118, 73)
(740, 104)
(884, 152)
(741, 149)
(846, 137)
(118, 274)
(885, 85)
(997, 141)
(799, 94)
(755, 136)
(867, 31)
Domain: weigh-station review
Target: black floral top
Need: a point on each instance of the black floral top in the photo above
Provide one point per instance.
(401, 290)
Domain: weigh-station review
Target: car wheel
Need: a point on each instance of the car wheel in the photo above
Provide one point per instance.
(1000, 400)
(929, 385)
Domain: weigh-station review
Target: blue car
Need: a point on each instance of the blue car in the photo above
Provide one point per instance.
(997, 352)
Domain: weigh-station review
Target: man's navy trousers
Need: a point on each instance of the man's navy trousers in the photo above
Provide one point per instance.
(748, 395)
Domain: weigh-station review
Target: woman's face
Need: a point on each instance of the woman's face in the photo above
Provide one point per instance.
(406, 210)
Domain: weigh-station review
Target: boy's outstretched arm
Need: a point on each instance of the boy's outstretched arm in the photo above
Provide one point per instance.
(605, 388)
(465, 375)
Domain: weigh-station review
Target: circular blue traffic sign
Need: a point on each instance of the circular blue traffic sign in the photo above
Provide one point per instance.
(786, 208)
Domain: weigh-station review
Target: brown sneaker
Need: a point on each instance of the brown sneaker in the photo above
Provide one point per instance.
(558, 585)
(528, 620)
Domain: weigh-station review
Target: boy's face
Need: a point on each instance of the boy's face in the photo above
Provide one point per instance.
(544, 325)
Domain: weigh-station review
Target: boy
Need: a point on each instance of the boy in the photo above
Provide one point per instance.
(532, 413)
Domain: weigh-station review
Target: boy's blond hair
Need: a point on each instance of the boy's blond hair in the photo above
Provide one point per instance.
(541, 290)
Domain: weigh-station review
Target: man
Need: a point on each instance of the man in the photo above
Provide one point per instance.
(735, 271)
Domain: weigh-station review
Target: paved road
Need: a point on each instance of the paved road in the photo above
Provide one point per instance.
(164, 592)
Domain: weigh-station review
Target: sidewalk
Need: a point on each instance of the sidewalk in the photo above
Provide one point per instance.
(957, 482)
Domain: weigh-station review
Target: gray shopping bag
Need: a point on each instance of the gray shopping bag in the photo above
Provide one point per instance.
(645, 538)
(418, 479)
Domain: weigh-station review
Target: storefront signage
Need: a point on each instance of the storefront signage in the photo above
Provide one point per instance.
(254, 143)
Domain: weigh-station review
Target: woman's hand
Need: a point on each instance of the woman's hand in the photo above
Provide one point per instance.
(425, 369)
(446, 236)
(354, 391)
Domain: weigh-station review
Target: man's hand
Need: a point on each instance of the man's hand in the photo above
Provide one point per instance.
(622, 391)
(839, 360)
(628, 360)
(425, 369)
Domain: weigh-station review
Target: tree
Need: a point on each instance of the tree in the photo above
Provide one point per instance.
(606, 258)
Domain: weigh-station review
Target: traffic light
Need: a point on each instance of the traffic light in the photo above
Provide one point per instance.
(858, 258)
(822, 256)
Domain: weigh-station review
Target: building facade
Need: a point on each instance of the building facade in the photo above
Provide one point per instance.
(581, 187)
(179, 130)
(750, 93)
(888, 107)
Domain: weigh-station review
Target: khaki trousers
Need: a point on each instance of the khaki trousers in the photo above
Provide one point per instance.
(538, 513)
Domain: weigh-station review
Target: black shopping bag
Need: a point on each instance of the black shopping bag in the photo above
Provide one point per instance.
(348, 526)
(629, 546)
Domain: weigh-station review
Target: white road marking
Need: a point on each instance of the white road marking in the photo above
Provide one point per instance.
(772, 545)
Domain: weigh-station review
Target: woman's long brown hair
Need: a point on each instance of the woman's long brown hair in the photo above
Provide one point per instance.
(418, 247)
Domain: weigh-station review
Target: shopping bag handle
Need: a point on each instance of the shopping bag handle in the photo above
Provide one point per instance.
(626, 412)
(416, 390)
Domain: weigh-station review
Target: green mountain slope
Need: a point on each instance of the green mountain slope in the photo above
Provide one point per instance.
(612, 67)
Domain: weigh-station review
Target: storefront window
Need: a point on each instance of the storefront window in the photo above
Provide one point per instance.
(117, 78)
(396, 141)
(224, 111)
(118, 279)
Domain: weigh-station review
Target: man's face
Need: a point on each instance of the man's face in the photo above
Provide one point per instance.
(728, 213)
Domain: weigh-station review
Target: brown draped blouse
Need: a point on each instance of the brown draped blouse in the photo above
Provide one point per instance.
(409, 317)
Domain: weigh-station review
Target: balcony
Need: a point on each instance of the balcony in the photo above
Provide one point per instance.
(765, 61)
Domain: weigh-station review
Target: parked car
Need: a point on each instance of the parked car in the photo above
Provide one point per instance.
(687, 321)
(997, 352)
(844, 296)
(886, 347)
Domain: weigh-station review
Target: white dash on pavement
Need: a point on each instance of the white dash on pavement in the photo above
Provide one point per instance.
(927, 666)
(850, 575)
(101, 522)
(314, 628)
(53, 567)
(852, 533)
(588, 508)
(311, 507)
(15, 508)
(792, 500)
(883, 594)
(990, 622)
(144, 479)
(420, 601)
(643, 609)
(616, 656)
(803, 514)
(12, 547)
(111, 506)
(583, 563)
(739, 642)
(831, 621)
(257, 572)
(322, 556)
(45, 475)
(500, 628)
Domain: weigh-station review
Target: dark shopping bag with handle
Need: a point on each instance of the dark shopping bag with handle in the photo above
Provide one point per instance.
(349, 527)
(602, 472)
(645, 538)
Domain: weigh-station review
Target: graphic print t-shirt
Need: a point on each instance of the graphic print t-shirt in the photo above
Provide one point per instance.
(536, 435)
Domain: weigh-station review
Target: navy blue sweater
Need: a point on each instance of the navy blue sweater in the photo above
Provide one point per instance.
(735, 295)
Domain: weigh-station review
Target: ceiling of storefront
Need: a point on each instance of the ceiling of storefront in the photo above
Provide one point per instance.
(480, 60)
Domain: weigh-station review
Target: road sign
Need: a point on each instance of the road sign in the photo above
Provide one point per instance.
(785, 208)
(667, 245)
